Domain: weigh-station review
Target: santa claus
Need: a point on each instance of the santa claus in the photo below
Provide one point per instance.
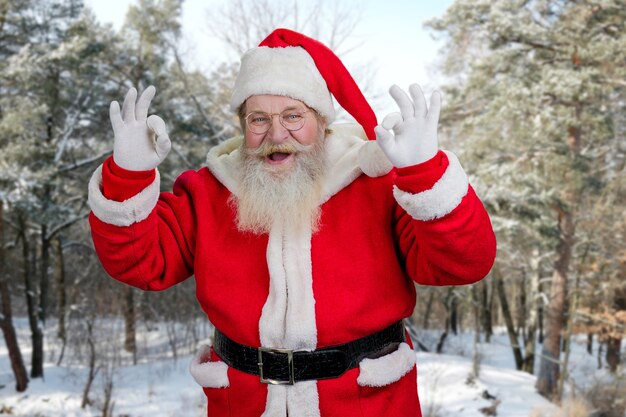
(304, 237)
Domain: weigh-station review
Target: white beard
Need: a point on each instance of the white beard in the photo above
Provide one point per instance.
(268, 193)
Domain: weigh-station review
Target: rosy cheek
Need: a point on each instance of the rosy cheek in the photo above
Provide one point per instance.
(307, 135)
(253, 141)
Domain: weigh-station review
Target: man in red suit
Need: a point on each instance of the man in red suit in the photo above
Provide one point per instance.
(304, 237)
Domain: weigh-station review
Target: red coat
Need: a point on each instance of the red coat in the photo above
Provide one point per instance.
(379, 232)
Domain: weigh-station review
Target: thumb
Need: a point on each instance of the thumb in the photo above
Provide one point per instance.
(384, 138)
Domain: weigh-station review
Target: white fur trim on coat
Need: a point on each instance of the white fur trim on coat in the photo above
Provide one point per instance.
(386, 369)
(223, 162)
(350, 154)
(348, 151)
(289, 321)
(288, 71)
(122, 213)
(206, 373)
(440, 200)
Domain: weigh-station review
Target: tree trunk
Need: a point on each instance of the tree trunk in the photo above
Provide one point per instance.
(36, 370)
(508, 318)
(529, 349)
(477, 310)
(93, 370)
(43, 274)
(453, 311)
(530, 333)
(614, 341)
(6, 321)
(61, 294)
(486, 304)
(429, 308)
(613, 349)
(521, 312)
(590, 343)
(130, 344)
(568, 336)
(599, 357)
(540, 315)
(549, 367)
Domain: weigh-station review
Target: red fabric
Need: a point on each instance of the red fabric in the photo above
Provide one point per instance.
(120, 184)
(362, 262)
(339, 81)
(422, 177)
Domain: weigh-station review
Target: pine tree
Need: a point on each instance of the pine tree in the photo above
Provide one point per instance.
(531, 102)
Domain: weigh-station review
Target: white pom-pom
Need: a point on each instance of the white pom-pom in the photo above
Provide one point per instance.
(373, 161)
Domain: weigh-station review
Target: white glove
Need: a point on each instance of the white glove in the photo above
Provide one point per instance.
(415, 128)
(141, 142)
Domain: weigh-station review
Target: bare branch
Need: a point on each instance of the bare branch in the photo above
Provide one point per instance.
(88, 161)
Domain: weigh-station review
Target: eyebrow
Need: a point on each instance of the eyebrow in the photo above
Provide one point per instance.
(283, 110)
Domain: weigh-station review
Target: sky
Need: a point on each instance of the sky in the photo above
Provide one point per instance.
(392, 34)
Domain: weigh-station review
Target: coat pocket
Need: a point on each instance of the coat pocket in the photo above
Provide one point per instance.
(209, 373)
(388, 385)
(387, 369)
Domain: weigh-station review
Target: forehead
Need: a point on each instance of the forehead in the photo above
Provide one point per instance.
(272, 103)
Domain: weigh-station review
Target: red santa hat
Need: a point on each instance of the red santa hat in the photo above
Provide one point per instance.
(290, 64)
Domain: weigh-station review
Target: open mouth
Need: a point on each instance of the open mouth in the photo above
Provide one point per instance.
(276, 158)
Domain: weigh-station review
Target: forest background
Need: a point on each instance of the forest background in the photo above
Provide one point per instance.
(535, 107)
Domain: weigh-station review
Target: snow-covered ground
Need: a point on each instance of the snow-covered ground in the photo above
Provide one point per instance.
(162, 386)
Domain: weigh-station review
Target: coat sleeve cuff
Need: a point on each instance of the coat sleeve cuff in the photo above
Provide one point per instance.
(443, 197)
(120, 184)
(122, 213)
(421, 177)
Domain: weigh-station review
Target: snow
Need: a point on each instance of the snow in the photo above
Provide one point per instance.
(445, 389)
(162, 386)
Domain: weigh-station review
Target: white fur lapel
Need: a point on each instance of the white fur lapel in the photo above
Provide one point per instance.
(348, 151)
(223, 161)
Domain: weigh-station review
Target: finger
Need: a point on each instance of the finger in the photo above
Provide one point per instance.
(141, 111)
(435, 106)
(163, 145)
(418, 100)
(403, 101)
(116, 118)
(162, 142)
(128, 108)
(391, 120)
(156, 125)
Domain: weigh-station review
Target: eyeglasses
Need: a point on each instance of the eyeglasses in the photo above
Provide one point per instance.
(260, 122)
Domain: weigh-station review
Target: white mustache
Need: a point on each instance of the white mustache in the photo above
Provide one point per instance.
(268, 148)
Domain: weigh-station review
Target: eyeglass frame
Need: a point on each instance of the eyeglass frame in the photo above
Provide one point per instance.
(280, 120)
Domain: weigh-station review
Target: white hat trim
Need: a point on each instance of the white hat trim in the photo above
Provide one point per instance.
(288, 71)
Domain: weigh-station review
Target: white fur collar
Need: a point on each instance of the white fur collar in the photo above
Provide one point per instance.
(349, 154)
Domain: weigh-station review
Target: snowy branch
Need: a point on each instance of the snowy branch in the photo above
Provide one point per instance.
(84, 162)
(71, 120)
(65, 225)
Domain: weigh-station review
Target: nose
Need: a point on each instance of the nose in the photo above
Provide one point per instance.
(277, 132)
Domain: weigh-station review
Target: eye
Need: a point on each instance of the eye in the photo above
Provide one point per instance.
(258, 118)
(292, 117)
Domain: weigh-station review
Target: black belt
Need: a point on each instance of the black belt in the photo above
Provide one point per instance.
(285, 366)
